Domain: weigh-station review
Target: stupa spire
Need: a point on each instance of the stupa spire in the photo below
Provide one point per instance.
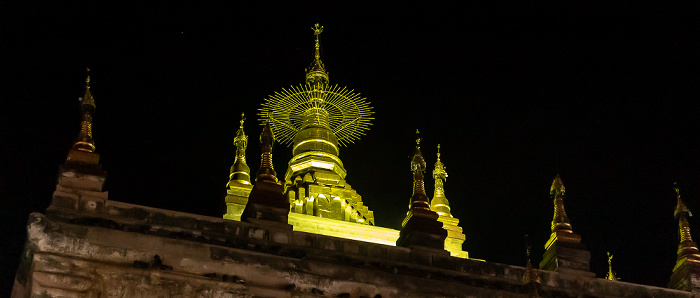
(687, 266)
(316, 118)
(316, 73)
(419, 200)
(560, 221)
(611, 274)
(564, 251)
(686, 248)
(84, 142)
(240, 172)
(266, 173)
(421, 227)
(439, 203)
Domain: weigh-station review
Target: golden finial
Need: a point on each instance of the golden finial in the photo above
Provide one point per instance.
(266, 173)
(418, 163)
(240, 172)
(439, 203)
(316, 73)
(560, 222)
(439, 172)
(87, 79)
(611, 275)
(419, 199)
(687, 249)
(87, 108)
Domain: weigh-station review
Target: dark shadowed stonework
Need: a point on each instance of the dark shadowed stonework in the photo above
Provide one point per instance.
(124, 250)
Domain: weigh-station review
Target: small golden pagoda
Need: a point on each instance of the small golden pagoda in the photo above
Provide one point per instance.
(564, 251)
(81, 179)
(239, 186)
(686, 273)
(440, 204)
(315, 119)
(611, 274)
(421, 229)
(83, 150)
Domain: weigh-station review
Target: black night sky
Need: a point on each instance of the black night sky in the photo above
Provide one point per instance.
(607, 94)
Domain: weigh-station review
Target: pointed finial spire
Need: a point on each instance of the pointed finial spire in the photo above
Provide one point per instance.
(611, 274)
(240, 172)
(84, 141)
(421, 227)
(316, 73)
(439, 203)
(687, 249)
(419, 199)
(560, 222)
(530, 277)
(266, 173)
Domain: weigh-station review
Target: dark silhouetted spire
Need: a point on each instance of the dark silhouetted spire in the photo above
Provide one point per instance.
(421, 228)
(84, 141)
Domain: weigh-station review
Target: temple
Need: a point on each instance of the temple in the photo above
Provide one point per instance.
(304, 234)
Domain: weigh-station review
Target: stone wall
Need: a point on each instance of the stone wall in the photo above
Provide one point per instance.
(124, 250)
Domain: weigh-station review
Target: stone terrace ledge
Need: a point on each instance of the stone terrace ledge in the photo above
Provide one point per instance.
(122, 249)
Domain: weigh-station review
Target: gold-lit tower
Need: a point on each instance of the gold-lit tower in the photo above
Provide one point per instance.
(239, 186)
(564, 251)
(440, 204)
(316, 118)
(83, 150)
(686, 273)
(266, 202)
(611, 274)
(81, 179)
(421, 229)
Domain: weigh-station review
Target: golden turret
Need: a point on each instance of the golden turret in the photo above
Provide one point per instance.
(266, 173)
(240, 172)
(687, 249)
(316, 73)
(687, 266)
(611, 274)
(315, 119)
(560, 222)
(421, 227)
(84, 141)
(564, 251)
(419, 200)
(439, 203)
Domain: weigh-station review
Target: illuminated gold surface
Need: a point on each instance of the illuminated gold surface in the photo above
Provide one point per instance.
(611, 274)
(316, 73)
(440, 204)
(338, 109)
(84, 141)
(315, 118)
(239, 185)
(340, 229)
(240, 172)
(687, 249)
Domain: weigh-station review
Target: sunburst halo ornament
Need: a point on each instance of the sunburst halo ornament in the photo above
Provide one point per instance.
(348, 113)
